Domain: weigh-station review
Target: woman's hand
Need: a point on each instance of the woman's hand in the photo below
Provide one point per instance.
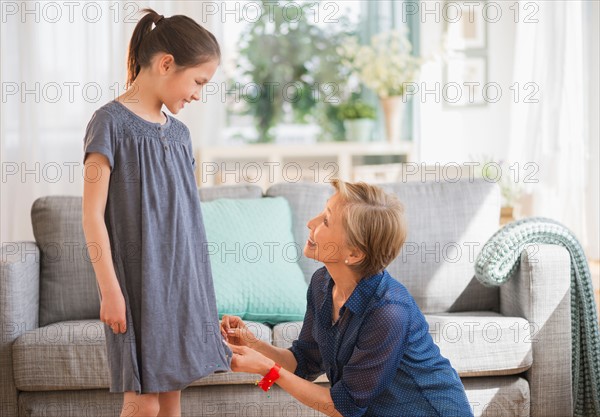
(246, 359)
(235, 332)
(112, 311)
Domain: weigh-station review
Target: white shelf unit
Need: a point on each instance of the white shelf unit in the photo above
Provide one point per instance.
(267, 164)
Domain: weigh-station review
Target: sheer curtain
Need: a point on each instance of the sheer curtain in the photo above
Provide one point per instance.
(60, 62)
(381, 16)
(556, 133)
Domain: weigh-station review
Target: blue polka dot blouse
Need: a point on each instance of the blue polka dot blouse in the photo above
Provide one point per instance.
(379, 356)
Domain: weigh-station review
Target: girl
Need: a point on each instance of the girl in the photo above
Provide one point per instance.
(141, 211)
(362, 327)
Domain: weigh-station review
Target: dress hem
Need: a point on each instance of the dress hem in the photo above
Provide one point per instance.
(179, 387)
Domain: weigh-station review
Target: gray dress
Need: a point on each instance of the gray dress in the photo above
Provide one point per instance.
(159, 251)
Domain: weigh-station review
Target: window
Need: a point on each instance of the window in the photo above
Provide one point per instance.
(324, 15)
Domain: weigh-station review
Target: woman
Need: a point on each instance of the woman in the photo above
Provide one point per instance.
(362, 327)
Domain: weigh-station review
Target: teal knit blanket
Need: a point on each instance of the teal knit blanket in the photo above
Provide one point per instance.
(499, 259)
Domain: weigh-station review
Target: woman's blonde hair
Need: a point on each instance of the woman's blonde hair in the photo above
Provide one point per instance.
(374, 223)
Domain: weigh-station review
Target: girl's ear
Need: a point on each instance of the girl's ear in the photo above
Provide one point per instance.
(166, 63)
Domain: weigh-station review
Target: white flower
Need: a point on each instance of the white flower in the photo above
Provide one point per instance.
(384, 65)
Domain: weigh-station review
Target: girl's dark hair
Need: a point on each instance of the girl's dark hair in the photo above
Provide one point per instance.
(188, 42)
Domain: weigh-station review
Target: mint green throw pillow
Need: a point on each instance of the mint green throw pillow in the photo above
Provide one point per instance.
(253, 258)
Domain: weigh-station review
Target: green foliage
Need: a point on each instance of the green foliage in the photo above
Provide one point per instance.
(356, 109)
(289, 66)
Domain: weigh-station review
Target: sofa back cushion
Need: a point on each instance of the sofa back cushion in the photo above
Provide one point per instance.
(68, 289)
(448, 223)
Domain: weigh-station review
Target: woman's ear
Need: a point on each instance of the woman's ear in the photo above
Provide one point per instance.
(356, 256)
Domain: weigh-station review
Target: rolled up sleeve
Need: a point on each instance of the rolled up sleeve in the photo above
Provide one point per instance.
(374, 361)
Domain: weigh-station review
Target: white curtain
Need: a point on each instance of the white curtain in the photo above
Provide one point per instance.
(555, 135)
(60, 62)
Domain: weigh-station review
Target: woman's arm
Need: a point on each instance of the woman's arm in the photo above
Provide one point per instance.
(283, 357)
(95, 194)
(308, 393)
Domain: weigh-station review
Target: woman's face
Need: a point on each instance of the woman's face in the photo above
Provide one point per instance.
(326, 241)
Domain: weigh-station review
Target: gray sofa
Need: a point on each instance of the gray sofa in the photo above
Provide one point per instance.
(511, 345)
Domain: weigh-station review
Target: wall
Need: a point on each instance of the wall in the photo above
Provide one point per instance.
(465, 133)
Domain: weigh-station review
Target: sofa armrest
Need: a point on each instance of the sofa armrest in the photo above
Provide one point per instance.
(19, 310)
(540, 292)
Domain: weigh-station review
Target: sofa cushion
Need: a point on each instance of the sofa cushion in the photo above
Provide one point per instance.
(448, 224)
(71, 355)
(285, 333)
(483, 343)
(499, 396)
(229, 191)
(476, 343)
(68, 289)
(253, 258)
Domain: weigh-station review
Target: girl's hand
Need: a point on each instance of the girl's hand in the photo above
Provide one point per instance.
(235, 332)
(112, 311)
(246, 359)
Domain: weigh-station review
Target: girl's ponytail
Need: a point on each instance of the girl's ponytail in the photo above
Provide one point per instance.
(141, 31)
(188, 42)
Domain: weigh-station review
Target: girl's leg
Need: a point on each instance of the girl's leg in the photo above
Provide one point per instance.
(143, 405)
(170, 404)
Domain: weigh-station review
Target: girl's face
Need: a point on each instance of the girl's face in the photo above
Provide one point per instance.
(183, 85)
(326, 241)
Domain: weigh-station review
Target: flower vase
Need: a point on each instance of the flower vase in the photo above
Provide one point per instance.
(358, 130)
(393, 111)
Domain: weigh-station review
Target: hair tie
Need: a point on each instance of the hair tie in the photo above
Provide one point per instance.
(159, 20)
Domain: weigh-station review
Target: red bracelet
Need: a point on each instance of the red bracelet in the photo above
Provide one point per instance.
(270, 378)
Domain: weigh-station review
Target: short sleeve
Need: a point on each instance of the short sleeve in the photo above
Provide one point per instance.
(100, 136)
(190, 148)
(375, 359)
(305, 348)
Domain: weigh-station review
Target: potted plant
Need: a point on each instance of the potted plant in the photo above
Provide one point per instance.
(386, 66)
(288, 73)
(358, 118)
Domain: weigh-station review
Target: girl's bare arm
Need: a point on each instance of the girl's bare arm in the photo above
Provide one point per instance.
(95, 194)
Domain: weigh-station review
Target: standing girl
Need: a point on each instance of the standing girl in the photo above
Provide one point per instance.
(141, 212)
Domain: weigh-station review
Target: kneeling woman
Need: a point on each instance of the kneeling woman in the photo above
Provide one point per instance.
(362, 327)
